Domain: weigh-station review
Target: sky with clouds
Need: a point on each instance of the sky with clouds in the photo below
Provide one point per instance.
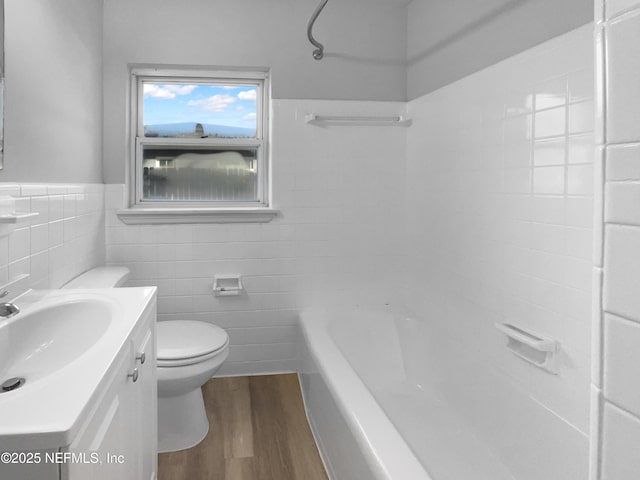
(212, 104)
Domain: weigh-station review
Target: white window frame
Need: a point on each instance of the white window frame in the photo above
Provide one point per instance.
(145, 211)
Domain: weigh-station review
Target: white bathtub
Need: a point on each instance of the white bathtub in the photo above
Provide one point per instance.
(386, 401)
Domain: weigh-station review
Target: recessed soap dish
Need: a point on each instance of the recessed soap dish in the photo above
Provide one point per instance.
(227, 285)
(540, 351)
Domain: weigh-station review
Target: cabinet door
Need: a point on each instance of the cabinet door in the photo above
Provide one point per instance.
(145, 406)
(46, 469)
(105, 449)
(122, 431)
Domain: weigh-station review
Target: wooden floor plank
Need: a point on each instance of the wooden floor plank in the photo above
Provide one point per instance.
(235, 401)
(272, 456)
(206, 460)
(258, 431)
(300, 441)
(239, 469)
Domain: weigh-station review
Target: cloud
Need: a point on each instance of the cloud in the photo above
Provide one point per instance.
(247, 95)
(250, 116)
(239, 107)
(167, 91)
(216, 103)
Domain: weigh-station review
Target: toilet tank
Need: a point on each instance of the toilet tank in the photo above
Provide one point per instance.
(100, 277)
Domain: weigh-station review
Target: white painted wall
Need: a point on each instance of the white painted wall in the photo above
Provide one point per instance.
(53, 96)
(616, 396)
(499, 227)
(53, 136)
(364, 57)
(449, 39)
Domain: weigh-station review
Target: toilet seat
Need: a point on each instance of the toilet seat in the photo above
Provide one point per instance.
(182, 362)
(185, 342)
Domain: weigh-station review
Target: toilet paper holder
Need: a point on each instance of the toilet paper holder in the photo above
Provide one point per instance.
(227, 285)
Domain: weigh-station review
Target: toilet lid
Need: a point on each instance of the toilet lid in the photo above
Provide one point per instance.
(180, 339)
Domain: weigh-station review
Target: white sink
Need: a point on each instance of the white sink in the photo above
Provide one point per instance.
(37, 343)
(64, 343)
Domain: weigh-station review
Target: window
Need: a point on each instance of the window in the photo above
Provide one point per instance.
(199, 141)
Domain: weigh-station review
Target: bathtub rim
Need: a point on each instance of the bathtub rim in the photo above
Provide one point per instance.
(382, 446)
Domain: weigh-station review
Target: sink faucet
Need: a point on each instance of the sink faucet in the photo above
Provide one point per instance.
(8, 310)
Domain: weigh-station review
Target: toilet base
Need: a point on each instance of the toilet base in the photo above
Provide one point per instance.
(182, 421)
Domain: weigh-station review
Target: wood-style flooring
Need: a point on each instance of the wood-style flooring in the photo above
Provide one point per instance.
(257, 431)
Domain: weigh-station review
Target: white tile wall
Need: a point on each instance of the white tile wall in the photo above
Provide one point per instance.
(340, 191)
(622, 277)
(622, 162)
(616, 7)
(621, 437)
(622, 63)
(64, 240)
(615, 454)
(620, 195)
(499, 228)
(622, 363)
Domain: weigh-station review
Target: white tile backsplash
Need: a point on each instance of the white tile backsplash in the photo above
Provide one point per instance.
(65, 239)
(19, 244)
(39, 238)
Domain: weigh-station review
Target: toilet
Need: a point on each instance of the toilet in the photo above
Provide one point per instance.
(189, 352)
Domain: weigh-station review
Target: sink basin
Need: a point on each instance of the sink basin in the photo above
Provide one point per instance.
(37, 343)
(66, 344)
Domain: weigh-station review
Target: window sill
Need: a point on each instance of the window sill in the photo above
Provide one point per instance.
(140, 216)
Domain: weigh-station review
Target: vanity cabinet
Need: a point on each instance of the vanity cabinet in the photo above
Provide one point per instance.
(117, 434)
(120, 438)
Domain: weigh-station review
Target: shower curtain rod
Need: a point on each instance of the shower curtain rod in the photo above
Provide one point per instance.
(318, 53)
